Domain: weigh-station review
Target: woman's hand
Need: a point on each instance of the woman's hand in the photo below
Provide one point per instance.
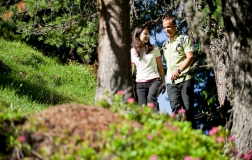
(161, 89)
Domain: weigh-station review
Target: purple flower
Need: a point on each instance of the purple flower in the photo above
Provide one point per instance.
(153, 157)
(120, 92)
(21, 138)
(235, 151)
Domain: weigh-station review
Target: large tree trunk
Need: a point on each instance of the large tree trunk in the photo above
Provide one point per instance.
(238, 22)
(114, 71)
(238, 27)
(223, 76)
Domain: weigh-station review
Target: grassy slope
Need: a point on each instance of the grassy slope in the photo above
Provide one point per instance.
(30, 81)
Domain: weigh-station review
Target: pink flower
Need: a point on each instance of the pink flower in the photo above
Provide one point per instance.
(174, 128)
(151, 105)
(21, 139)
(213, 131)
(187, 158)
(231, 139)
(153, 157)
(150, 137)
(197, 158)
(167, 124)
(172, 115)
(220, 139)
(249, 152)
(240, 155)
(235, 151)
(120, 92)
(181, 111)
(131, 100)
(130, 131)
(247, 156)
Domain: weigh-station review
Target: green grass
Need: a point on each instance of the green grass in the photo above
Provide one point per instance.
(31, 81)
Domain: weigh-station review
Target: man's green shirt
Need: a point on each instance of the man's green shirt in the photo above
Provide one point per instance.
(175, 54)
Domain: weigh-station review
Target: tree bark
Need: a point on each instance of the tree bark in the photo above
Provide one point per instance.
(237, 18)
(114, 71)
(223, 76)
(238, 22)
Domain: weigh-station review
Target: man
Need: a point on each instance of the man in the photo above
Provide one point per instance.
(178, 52)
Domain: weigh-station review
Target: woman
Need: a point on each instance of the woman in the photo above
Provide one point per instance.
(149, 68)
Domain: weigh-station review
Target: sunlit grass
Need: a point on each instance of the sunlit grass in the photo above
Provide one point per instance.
(31, 81)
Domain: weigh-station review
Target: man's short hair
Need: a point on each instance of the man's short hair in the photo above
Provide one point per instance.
(170, 18)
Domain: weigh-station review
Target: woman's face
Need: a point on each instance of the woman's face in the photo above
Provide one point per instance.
(144, 36)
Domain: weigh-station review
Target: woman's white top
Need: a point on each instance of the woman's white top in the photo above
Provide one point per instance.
(146, 65)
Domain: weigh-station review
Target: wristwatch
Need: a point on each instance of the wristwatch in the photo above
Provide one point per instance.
(179, 71)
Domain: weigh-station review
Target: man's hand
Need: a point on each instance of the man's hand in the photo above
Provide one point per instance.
(175, 75)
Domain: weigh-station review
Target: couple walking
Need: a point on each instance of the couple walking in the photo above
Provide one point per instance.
(150, 76)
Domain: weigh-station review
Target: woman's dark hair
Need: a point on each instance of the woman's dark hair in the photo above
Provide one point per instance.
(136, 41)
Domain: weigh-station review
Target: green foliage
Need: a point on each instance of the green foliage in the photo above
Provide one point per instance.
(209, 97)
(61, 24)
(215, 12)
(156, 137)
(149, 11)
(9, 117)
(160, 136)
(30, 81)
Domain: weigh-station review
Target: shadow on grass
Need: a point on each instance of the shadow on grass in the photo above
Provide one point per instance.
(36, 92)
(4, 68)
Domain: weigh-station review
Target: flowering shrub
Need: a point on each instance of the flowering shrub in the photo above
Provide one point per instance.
(233, 152)
(161, 136)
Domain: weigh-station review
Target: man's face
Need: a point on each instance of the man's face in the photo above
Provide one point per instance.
(169, 28)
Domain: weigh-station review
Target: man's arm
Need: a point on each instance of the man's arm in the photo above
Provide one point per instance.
(187, 62)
